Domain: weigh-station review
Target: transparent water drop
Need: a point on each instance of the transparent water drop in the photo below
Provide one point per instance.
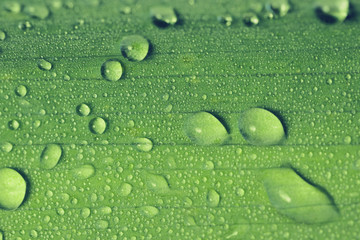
(125, 189)
(143, 144)
(251, 19)
(225, 19)
(204, 129)
(83, 109)
(279, 7)
(12, 6)
(157, 183)
(102, 224)
(44, 65)
(21, 91)
(111, 70)
(34, 234)
(97, 125)
(2, 35)
(332, 11)
(50, 156)
(84, 172)
(149, 211)
(40, 11)
(6, 147)
(12, 189)
(60, 211)
(297, 199)
(105, 210)
(213, 198)
(85, 212)
(14, 124)
(163, 16)
(261, 127)
(134, 47)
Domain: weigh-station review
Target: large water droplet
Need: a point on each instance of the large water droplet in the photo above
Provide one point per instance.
(97, 125)
(84, 171)
(260, 127)
(149, 211)
(125, 189)
(279, 7)
(21, 91)
(332, 11)
(14, 124)
(12, 189)
(40, 11)
(44, 65)
(83, 109)
(6, 146)
(13, 7)
(50, 156)
(134, 47)
(204, 129)
(85, 212)
(213, 198)
(111, 70)
(102, 224)
(163, 16)
(143, 144)
(157, 183)
(294, 197)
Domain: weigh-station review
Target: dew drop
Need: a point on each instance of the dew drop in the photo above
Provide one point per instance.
(157, 183)
(6, 147)
(2, 35)
(149, 211)
(331, 11)
(13, 7)
(143, 144)
(251, 19)
(21, 91)
(85, 212)
(134, 47)
(204, 129)
(163, 16)
(225, 19)
(12, 189)
(279, 7)
(84, 171)
(125, 189)
(40, 11)
(83, 109)
(261, 127)
(50, 156)
(97, 125)
(213, 198)
(14, 124)
(111, 70)
(44, 65)
(102, 224)
(105, 210)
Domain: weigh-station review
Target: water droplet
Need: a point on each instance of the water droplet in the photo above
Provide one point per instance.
(12, 189)
(204, 129)
(84, 171)
(60, 211)
(251, 19)
(50, 156)
(102, 224)
(163, 16)
(97, 125)
(134, 47)
(332, 11)
(261, 127)
(157, 183)
(105, 210)
(14, 124)
(189, 221)
(21, 91)
(40, 11)
(85, 212)
(33, 233)
(143, 144)
(279, 7)
(26, 25)
(213, 198)
(240, 192)
(6, 147)
(347, 140)
(149, 211)
(225, 19)
(111, 70)
(2, 35)
(13, 7)
(125, 189)
(294, 197)
(44, 65)
(83, 109)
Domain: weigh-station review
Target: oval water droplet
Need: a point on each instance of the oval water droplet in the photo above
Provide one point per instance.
(204, 129)
(6, 147)
(21, 91)
(12, 189)
(134, 47)
(83, 109)
(294, 197)
(44, 65)
(143, 144)
(50, 156)
(105, 210)
(2, 35)
(85, 212)
(40, 11)
(84, 171)
(97, 125)
(163, 16)
(13, 7)
(239, 230)
(225, 19)
(157, 183)
(149, 211)
(102, 224)
(213, 198)
(14, 124)
(111, 70)
(125, 189)
(261, 127)
(331, 11)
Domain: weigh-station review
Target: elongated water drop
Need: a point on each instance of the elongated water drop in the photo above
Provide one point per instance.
(6, 147)
(157, 183)
(134, 47)
(111, 70)
(332, 11)
(143, 144)
(204, 129)
(84, 171)
(2, 35)
(44, 65)
(213, 198)
(149, 211)
(294, 197)
(50, 156)
(13, 6)
(163, 16)
(40, 11)
(97, 125)
(260, 127)
(12, 189)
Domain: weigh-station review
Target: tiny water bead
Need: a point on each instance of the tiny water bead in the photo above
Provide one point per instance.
(143, 144)
(332, 11)
(40, 11)
(97, 125)
(83, 109)
(111, 70)
(21, 91)
(261, 127)
(44, 65)
(84, 171)
(204, 129)
(213, 198)
(149, 211)
(14, 124)
(297, 199)
(12, 189)
(157, 183)
(2, 35)
(163, 16)
(134, 47)
(50, 156)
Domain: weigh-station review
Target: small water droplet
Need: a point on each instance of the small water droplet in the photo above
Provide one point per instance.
(44, 65)
(225, 19)
(157, 183)
(12, 189)
(111, 70)
(149, 211)
(85, 212)
(134, 47)
(213, 198)
(26, 25)
(21, 91)
(251, 19)
(14, 124)
(125, 189)
(97, 125)
(84, 171)
(105, 210)
(40, 11)
(204, 129)
(331, 11)
(2, 35)
(102, 224)
(143, 144)
(347, 140)
(261, 127)
(6, 147)
(163, 16)
(50, 156)
(83, 109)
(34, 233)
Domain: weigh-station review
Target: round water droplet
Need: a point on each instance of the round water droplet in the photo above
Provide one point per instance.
(111, 70)
(84, 171)
(102, 224)
(204, 129)
(2, 35)
(163, 16)
(260, 127)
(143, 144)
(21, 91)
(157, 183)
(44, 65)
(50, 156)
(279, 7)
(83, 109)
(331, 11)
(12, 6)
(125, 189)
(12, 189)
(251, 19)
(14, 124)
(6, 147)
(134, 47)
(149, 211)
(213, 198)
(40, 11)
(97, 125)
(225, 19)
(85, 212)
